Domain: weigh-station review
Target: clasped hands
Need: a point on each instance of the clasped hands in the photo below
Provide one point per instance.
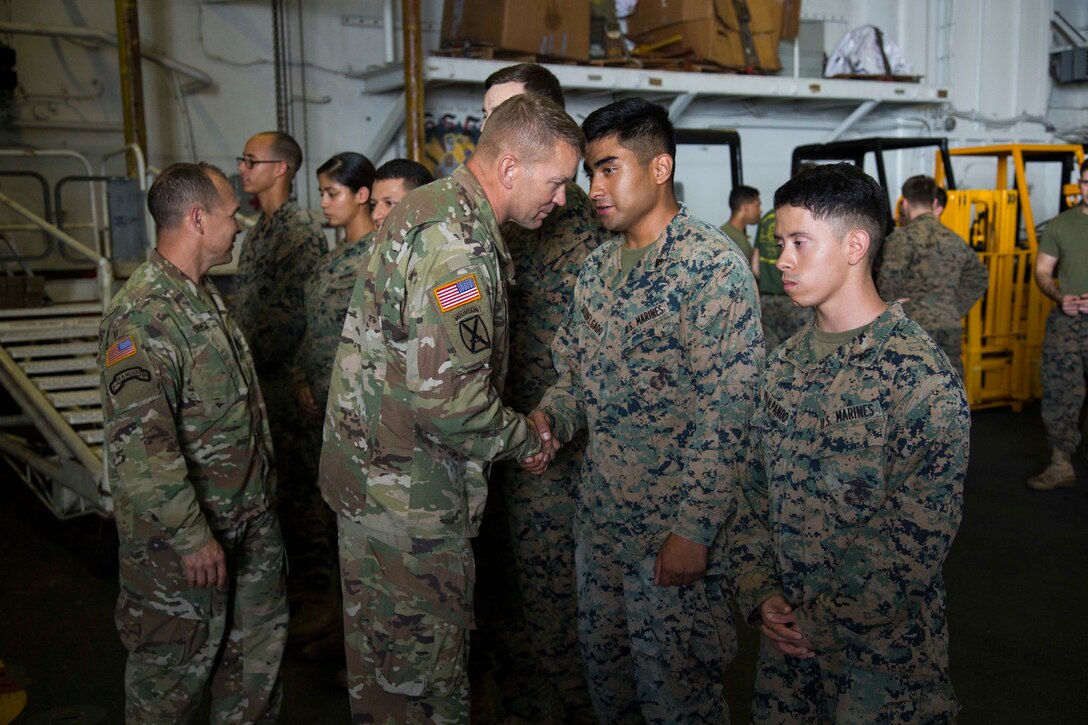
(779, 625)
(1072, 305)
(549, 444)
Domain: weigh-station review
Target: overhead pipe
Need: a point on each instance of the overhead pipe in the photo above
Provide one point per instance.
(132, 79)
(199, 79)
(413, 79)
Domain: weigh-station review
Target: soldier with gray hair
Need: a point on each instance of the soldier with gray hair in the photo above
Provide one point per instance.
(414, 415)
(189, 460)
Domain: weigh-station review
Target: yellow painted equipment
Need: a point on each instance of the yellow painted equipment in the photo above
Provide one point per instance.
(1003, 332)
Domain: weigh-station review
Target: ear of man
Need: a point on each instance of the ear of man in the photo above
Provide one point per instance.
(508, 166)
(662, 166)
(857, 247)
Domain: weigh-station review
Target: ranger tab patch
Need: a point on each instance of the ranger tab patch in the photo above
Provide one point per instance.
(120, 350)
(457, 293)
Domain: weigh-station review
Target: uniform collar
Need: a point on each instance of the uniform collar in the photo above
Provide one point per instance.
(864, 350)
(656, 257)
(485, 215)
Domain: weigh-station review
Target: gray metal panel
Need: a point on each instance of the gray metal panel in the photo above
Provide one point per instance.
(128, 235)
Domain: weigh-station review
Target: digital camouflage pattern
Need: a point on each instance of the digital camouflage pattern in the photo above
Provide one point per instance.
(327, 298)
(1065, 355)
(781, 318)
(660, 367)
(540, 508)
(1065, 346)
(277, 261)
(188, 457)
(407, 616)
(655, 654)
(414, 414)
(854, 497)
(943, 278)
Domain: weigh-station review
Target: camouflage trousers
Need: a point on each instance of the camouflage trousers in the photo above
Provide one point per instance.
(536, 644)
(829, 689)
(653, 654)
(1065, 362)
(309, 525)
(407, 616)
(232, 639)
(781, 318)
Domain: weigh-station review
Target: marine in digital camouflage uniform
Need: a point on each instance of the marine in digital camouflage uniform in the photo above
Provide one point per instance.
(659, 364)
(414, 416)
(540, 508)
(278, 258)
(781, 318)
(855, 492)
(930, 266)
(189, 461)
(528, 632)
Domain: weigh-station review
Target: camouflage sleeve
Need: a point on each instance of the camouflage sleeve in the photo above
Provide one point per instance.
(451, 301)
(140, 394)
(280, 320)
(723, 345)
(563, 399)
(897, 556)
(751, 562)
(974, 280)
(895, 266)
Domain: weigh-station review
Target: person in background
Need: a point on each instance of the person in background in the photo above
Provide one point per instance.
(277, 260)
(188, 455)
(344, 182)
(931, 270)
(392, 183)
(855, 489)
(529, 632)
(745, 208)
(1064, 249)
(658, 358)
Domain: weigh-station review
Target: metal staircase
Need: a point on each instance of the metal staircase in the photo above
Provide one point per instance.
(48, 365)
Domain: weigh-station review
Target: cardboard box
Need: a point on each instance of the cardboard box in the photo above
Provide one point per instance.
(712, 30)
(542, 27)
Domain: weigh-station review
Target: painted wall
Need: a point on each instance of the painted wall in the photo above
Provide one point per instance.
(992, 55)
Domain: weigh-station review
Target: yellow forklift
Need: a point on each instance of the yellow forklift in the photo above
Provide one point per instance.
(1003, 333)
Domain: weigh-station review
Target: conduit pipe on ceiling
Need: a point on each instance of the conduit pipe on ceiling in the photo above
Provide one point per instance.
(199, 79)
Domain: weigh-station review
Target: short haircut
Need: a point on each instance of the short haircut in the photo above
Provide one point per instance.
(179, 188)
(537, 80)
(528, 126)
(1083, 166)
(639, 126)
(349, 169)
(842, 196)
(412, 173)
(741, 195)
(286, 149)
(942, 197)
(920, 190)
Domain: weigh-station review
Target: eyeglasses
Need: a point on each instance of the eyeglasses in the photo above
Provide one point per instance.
(250, 163)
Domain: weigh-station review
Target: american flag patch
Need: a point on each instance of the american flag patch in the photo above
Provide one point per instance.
(457, 293)
(120, 350)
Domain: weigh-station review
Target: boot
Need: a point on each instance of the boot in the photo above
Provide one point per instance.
(1059, 474)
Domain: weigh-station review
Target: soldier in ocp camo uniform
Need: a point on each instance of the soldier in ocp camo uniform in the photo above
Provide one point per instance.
(861, 438)
(658, 359)
(189, 460)
(535, 639)
(780, 317)
(931, 270)
(414, 415)
(277, 260)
